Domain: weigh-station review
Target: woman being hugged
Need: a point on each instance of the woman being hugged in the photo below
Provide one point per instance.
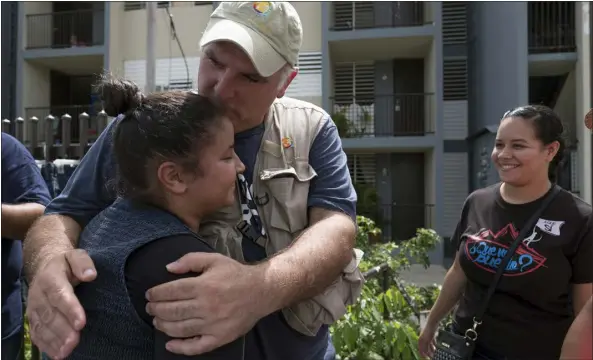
(175, 164)
(548, 279)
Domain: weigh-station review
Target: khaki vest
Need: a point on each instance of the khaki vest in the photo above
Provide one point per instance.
(282, 177)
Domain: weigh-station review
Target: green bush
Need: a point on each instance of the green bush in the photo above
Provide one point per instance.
(381, 325)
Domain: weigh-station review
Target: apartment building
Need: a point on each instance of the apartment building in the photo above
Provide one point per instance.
(416, 88)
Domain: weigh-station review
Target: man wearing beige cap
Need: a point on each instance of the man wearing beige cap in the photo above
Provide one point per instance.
(295, 270)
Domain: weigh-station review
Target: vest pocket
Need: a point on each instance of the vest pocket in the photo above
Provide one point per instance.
(289, 190)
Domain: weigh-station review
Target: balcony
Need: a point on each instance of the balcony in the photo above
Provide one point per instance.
(400, 221)
(551, 27)
(384, 115)
(348, 16)
(379, 30)
(65, 29)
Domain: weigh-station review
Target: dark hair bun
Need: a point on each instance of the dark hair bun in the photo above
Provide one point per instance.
(119, 96)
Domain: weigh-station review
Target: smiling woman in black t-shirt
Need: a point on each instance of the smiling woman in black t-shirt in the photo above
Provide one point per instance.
(549, 278)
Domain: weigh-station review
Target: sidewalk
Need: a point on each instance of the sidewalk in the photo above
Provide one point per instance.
(435, 274)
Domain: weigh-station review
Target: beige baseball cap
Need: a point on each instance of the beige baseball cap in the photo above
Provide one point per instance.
(269, 32)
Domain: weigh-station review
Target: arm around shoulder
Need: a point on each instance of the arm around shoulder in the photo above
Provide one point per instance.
(86, 194)
(146, 268)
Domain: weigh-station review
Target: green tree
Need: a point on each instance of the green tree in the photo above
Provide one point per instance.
(382, 325)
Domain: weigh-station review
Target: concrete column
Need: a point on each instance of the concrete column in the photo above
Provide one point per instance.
(583, 98)
(326, 67)
(499, 61)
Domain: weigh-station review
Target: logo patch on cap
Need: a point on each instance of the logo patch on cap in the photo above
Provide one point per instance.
(262, 7)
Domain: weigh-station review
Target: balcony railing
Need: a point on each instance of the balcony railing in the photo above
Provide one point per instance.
(365, 15)
(384, 115)
(551, 27)
(400, 221)
(64, 29)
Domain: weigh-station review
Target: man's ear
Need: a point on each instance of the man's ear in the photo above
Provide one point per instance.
(287, 82)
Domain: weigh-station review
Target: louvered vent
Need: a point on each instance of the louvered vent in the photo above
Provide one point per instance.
(354, 83)
(362, 168)
(454, 22)
(309, 62)
(353, 15)
(170, 73)
(139, 5)
(455, 80)
(307, 84)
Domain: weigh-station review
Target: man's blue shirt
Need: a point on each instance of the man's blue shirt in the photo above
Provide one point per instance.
(90, 190)
(21, 183)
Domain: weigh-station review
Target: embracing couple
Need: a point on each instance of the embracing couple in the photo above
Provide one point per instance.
(216, 224)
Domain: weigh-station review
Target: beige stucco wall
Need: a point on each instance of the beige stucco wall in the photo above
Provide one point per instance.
(310, 14)
(128, 31)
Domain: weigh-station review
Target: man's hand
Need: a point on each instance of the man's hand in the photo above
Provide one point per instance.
(215, 308)
(55, 315)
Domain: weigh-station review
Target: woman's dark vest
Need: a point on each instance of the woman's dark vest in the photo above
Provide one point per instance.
(113, 329)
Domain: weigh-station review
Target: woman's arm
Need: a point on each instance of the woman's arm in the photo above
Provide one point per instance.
(579, 339)
(581, 294)
(451, 292)
(145, 269)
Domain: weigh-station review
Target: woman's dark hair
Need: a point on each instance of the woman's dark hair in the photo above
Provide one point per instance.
(548, 128)
(172, 126)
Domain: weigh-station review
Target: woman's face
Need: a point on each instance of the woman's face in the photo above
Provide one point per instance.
(519, 156)
(214, 187)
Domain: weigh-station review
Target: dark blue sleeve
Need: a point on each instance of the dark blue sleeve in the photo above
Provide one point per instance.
(90, 189)
(332, 188)
(21, 178)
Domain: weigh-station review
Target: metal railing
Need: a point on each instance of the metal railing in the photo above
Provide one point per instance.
(49, 137)
(358, 15)
(64, 29)
(58, 112)
(384, 115)
(383, 273)
(551, 26)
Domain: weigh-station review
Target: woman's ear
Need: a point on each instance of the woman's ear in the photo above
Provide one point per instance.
(552, 150)
(169, 175)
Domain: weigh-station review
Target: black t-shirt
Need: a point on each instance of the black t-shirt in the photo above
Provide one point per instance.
(145, 268)
(530, 312)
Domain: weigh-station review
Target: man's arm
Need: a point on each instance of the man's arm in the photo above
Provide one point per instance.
(52, 265)
(318, 256)
(17, 219)
(146, 268)
(24, 191)
(87, 193)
